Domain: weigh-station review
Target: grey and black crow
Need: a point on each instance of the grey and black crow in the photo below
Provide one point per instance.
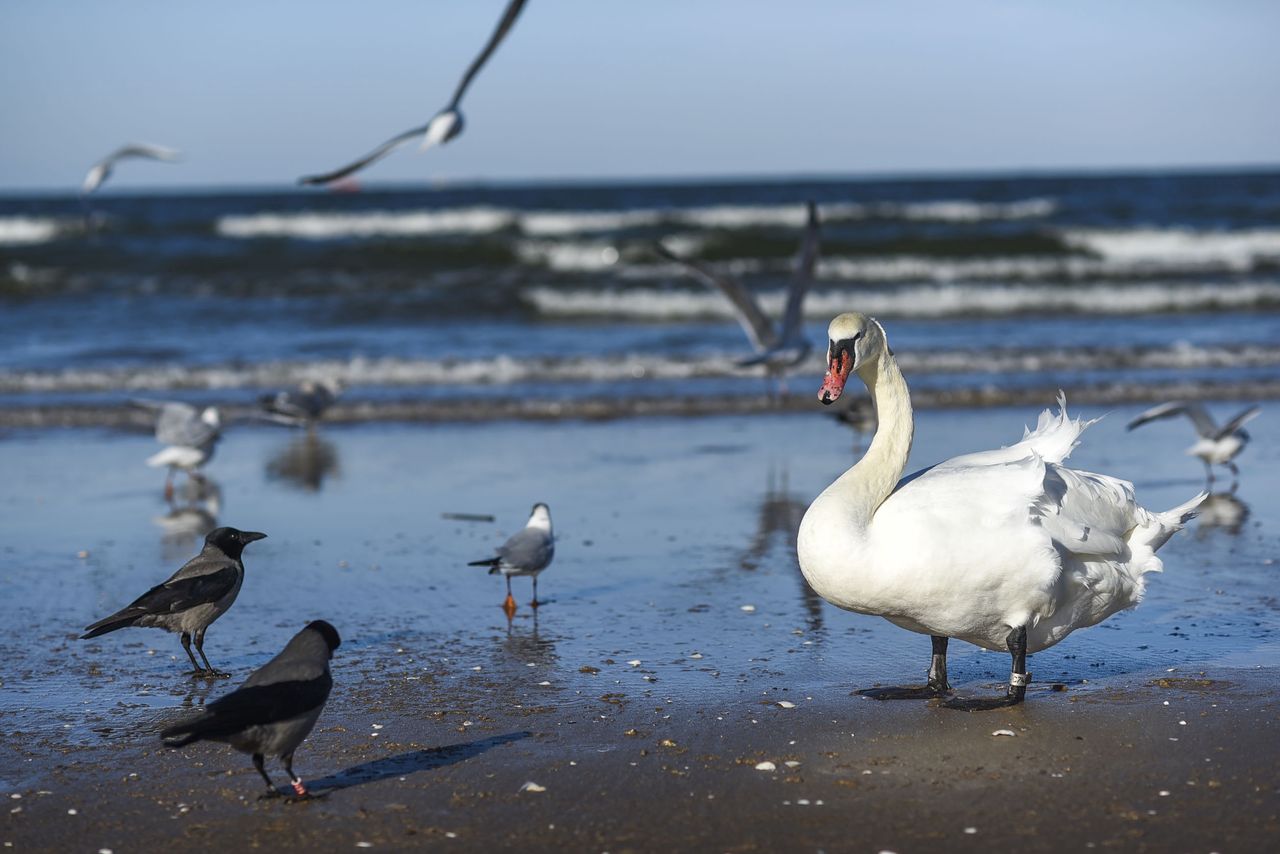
(197, 594)
(528, 552)
(275, 708)
(446, 124)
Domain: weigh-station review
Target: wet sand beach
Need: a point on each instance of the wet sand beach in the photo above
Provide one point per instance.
(679, 649)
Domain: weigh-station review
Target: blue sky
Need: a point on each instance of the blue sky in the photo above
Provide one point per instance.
(261, 92)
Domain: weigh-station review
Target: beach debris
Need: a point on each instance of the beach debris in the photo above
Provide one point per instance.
(587, 668)
(971, 830)
(82, 554)
(791, 763)
(695, 655)
(467, 517)
(364, 844)
(635, 662)
(666, 742)
(532, 787)
(766, 766)
(544, 682)
(786, 704)
(1007, 732)
(748, 608)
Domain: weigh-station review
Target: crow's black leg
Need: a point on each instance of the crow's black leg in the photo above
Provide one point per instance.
(294, 780)
(196, 669)
(938, 665)
(208, 667)
(271, 787)
(1018, 676)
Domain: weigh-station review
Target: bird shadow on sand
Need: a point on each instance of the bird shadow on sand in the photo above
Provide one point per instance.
(403, 764)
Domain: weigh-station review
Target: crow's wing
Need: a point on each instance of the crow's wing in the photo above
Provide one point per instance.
(254, 706)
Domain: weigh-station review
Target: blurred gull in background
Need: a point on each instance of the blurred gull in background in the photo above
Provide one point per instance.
(1217, 446)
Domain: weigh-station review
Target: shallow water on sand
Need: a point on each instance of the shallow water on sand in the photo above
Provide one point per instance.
(675, 571)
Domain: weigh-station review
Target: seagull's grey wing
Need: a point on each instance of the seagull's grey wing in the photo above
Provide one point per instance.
(142, 149)
(1237, 422)
(1196, 412)
(750, 317)
(528, 549)
(377, 154)
(499, 33)
(181, 424)
(254, 705)
(802, 278)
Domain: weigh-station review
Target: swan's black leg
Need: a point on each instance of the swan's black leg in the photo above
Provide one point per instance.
(938, 665)
(1016, 641)
(936, 687)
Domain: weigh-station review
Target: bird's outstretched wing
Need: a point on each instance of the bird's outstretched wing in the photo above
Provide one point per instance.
(373, 156)
(252, 706)
(750, 317)
(1237, 422)
(499, 33)
(142, 149)
(802, 278)
(1195, 411)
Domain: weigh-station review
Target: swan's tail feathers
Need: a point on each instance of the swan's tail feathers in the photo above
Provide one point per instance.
(1056, 436)
(1155, 530)
(1172, 520)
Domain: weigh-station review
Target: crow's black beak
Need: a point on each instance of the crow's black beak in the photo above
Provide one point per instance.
(250, 536)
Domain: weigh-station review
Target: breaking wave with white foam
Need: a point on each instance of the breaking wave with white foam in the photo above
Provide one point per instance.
(1237, 250)
(24, 230)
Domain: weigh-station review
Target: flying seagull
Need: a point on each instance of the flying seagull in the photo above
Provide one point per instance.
(528, 552)
(777, 348)
(189, 435)
(304, 405)
(196, 595)
(275, 708)
(1217, 446)
(446, 124)
(101, 170)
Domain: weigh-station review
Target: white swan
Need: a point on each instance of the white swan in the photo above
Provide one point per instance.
(1005, 549)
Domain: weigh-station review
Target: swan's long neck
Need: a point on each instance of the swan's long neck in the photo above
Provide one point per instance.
(865, 486)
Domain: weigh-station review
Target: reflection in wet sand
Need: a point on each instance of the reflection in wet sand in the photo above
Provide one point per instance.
(779, 516)
(305, 462)
(1222, 510)
(523, 642)
(192, 514)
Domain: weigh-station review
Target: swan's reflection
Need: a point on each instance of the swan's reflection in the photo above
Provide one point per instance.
(305, 462)
(778, 518)
(192, 514)
(1222, 510)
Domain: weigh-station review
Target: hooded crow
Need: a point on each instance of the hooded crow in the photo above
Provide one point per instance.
(275, 708)
(197, 594)
(528, 552)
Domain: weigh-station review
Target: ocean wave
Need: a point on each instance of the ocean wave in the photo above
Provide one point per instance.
(1237, 250)
(316, 225)
(508, 370)
(923, 300)
(25, 230)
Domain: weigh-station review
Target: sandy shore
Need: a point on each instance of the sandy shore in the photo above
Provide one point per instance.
(674, 552)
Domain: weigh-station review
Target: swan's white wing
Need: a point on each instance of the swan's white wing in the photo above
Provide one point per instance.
(499, 33)
(1237, 422)
(750, 317)
(373, 156)
(802, 278)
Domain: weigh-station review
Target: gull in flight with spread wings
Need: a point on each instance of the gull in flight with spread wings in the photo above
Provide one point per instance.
(101, 170)
(1216, 446)
(446, 124)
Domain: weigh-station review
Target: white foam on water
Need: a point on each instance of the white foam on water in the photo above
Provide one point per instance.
(24, 230)
(329, 226)
(917, 300)
(1237, 250)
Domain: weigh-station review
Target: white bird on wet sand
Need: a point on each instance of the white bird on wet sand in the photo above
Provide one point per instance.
(193, 597)
(276, 707)
(190, 435)
(528, 552)
(782, 347)
(1217, 446)
(101, 170)
(1005, 549)
(446, 124)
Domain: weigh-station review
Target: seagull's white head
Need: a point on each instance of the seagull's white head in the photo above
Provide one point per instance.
(212, 417)
(854, 342)
(540, 517)
(445, 126)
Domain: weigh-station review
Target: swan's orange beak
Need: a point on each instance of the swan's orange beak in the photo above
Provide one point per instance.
(837, 375)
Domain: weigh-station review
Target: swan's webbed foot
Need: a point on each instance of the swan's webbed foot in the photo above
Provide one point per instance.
(1018, 679)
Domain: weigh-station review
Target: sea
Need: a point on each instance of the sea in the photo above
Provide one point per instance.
(430, 302)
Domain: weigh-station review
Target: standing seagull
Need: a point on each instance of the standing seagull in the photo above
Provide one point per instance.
(446, 124)
(528, 552)
(196, 595)
(777, 348)
(190, 435)
(101, 170)
(275, 708)
(1216, 445)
